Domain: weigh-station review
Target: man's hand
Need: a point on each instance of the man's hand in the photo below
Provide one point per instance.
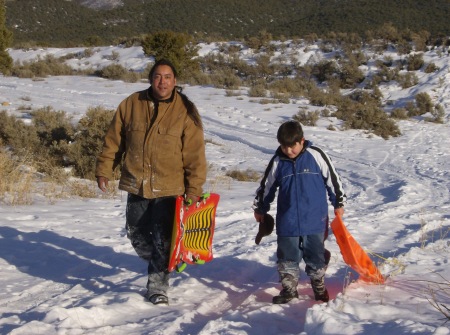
(102, 183)
(190, 199)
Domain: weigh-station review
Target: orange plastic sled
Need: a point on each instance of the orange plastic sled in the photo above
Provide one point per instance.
(354, 255)
(193, 232)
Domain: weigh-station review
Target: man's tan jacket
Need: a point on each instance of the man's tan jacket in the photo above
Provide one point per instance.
(163, 150)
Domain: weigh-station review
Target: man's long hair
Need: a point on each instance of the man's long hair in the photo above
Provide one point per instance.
(191, 108)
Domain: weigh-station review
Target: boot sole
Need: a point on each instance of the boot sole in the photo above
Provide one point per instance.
(278, 300)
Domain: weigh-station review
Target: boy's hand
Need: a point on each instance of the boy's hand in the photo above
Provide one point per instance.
(258, 217)
(266, 225)
(339, 211)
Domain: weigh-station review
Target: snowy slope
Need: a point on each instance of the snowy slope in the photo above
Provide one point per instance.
(68, 268)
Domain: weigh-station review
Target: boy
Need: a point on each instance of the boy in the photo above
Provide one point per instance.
(304, 175)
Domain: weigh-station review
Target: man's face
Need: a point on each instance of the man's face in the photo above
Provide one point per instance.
(163, 82)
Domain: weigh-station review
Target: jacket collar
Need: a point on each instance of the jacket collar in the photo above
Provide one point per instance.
(168, 100)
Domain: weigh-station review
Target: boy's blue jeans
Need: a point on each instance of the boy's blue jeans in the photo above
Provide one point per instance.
(292, 250)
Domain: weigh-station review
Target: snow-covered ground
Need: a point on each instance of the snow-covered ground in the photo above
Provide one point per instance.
(68, 268)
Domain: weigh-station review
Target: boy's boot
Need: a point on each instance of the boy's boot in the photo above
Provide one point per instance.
(320, 291)
(289, 291)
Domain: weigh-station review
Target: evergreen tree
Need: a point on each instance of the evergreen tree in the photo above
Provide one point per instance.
(179, 48)
(5, 41)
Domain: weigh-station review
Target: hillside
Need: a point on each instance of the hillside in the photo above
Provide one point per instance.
(67, 267)
(71, 23)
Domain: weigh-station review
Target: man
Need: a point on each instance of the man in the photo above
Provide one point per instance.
(157, 136)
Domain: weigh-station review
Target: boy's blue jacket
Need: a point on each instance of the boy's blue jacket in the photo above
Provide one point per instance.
(303, 184)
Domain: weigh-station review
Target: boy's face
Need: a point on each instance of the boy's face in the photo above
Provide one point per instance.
(294, 150)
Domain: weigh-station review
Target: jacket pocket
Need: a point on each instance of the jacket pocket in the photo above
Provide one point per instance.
(168, 143)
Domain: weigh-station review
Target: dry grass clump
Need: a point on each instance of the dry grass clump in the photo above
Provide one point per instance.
(118, 72)
(16, 179)
(439, 292)
(42, 67)
(20, 180)
(307, 118)
(49, 151)
(244, 175)
(82, 188)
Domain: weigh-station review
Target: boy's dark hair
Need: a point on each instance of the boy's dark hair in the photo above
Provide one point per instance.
(289, 133)
(162, 62)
